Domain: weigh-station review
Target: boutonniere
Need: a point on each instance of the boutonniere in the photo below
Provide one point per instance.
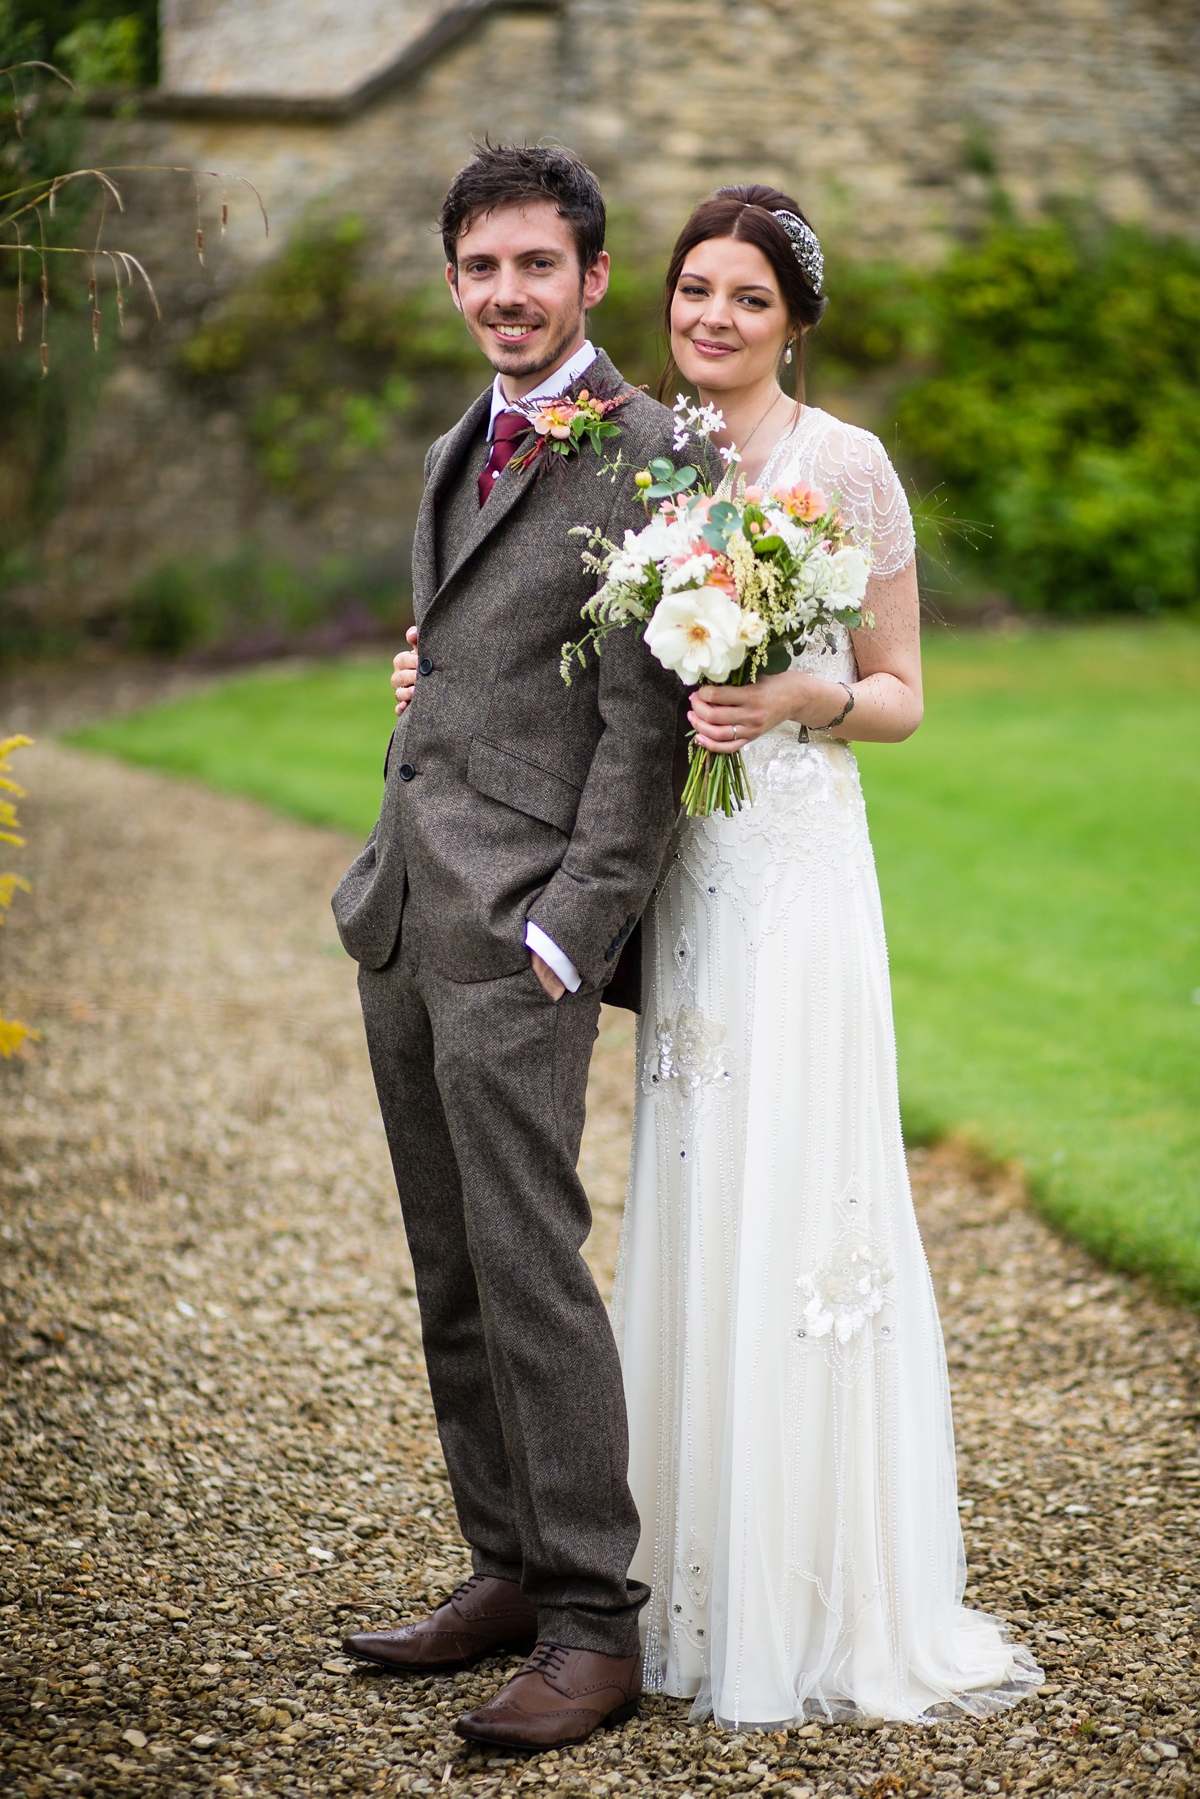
(562, 425)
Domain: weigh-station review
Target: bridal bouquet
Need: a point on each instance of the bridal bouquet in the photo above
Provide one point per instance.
(724, 587)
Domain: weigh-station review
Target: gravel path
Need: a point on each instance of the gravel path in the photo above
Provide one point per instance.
(218, 1454)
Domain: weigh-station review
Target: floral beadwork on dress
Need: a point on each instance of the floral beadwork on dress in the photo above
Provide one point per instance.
(690, 1051)
(846, 1289)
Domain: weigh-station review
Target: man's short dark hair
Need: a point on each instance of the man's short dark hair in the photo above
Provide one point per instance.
(520, 175)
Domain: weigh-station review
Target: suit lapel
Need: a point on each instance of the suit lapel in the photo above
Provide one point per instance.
(503, 497)
(425, 581)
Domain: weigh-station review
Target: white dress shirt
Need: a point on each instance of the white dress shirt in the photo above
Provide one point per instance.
(551, 387)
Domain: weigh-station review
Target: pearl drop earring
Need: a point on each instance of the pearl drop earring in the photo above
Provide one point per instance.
(787, 355)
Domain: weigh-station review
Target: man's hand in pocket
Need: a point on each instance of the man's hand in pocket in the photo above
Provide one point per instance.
(547, 976)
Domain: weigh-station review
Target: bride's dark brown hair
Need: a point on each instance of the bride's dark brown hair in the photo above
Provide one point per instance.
(745, 213)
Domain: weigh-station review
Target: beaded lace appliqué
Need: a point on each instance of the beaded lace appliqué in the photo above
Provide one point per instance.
(839, 458)
(690, 1051)
(844, 1291)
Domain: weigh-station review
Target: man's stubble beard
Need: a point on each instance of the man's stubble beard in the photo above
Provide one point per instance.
(542, 359)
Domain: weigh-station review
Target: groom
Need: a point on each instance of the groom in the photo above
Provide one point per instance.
(522, 827)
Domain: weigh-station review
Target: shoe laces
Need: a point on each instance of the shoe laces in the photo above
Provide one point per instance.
(547, 1658)
(468, 1586)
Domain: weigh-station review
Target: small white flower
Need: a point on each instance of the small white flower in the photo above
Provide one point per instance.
(729, 456)
(698, 421)
(753, 628)
(697, 634)
(816, 576)
(782, 524)
(692, 573)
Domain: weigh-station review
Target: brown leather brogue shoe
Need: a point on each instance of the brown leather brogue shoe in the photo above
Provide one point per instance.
(559, 1697)
(484, 1617)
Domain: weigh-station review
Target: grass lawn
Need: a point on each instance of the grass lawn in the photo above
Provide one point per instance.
(1039, 853)
(308, 741)
(1038, 844)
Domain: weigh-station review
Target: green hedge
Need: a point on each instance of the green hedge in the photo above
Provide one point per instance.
(1052, 406)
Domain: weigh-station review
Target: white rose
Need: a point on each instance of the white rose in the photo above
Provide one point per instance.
(698, 635)
(752, 629)
(849, 569)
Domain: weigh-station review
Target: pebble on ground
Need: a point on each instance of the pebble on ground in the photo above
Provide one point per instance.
(218, 1453)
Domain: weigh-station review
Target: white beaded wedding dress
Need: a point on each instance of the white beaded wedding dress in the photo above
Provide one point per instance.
(791, 1444)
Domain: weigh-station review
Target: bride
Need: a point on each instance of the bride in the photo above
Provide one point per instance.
(792, 1451)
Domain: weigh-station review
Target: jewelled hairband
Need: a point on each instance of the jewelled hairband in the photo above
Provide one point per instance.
(806, 247)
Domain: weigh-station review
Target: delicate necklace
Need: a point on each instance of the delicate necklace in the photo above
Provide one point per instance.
(762, 421)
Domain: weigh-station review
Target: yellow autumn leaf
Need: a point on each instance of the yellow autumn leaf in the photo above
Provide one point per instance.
(13, 1034)
(8, 745)
(8, 886)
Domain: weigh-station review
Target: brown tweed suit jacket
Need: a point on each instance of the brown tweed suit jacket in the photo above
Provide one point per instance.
(510, 796)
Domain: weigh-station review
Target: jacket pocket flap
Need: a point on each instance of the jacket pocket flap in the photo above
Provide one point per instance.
(522, 785)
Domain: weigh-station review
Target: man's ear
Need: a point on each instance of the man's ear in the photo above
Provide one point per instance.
(595, 282)
(452, 283)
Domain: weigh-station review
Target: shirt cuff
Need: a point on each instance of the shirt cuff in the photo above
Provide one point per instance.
(552, 956)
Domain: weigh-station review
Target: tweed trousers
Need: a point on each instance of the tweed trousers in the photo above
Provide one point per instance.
(482, 1087)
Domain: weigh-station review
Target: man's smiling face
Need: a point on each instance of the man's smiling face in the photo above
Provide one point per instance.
(520, 289)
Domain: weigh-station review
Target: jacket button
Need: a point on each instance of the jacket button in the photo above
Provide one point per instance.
(425, 665)
(407, 771)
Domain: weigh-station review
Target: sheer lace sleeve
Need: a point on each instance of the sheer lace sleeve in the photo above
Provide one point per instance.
(841, 458)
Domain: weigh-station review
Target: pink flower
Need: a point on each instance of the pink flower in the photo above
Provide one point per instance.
(554, 421)
(697, 547)
(804, 503)
(721, 575)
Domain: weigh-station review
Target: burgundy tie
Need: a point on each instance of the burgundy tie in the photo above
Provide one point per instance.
(508, 428)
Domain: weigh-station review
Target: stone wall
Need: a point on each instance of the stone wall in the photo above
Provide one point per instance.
(284, 47)
(874, 113)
